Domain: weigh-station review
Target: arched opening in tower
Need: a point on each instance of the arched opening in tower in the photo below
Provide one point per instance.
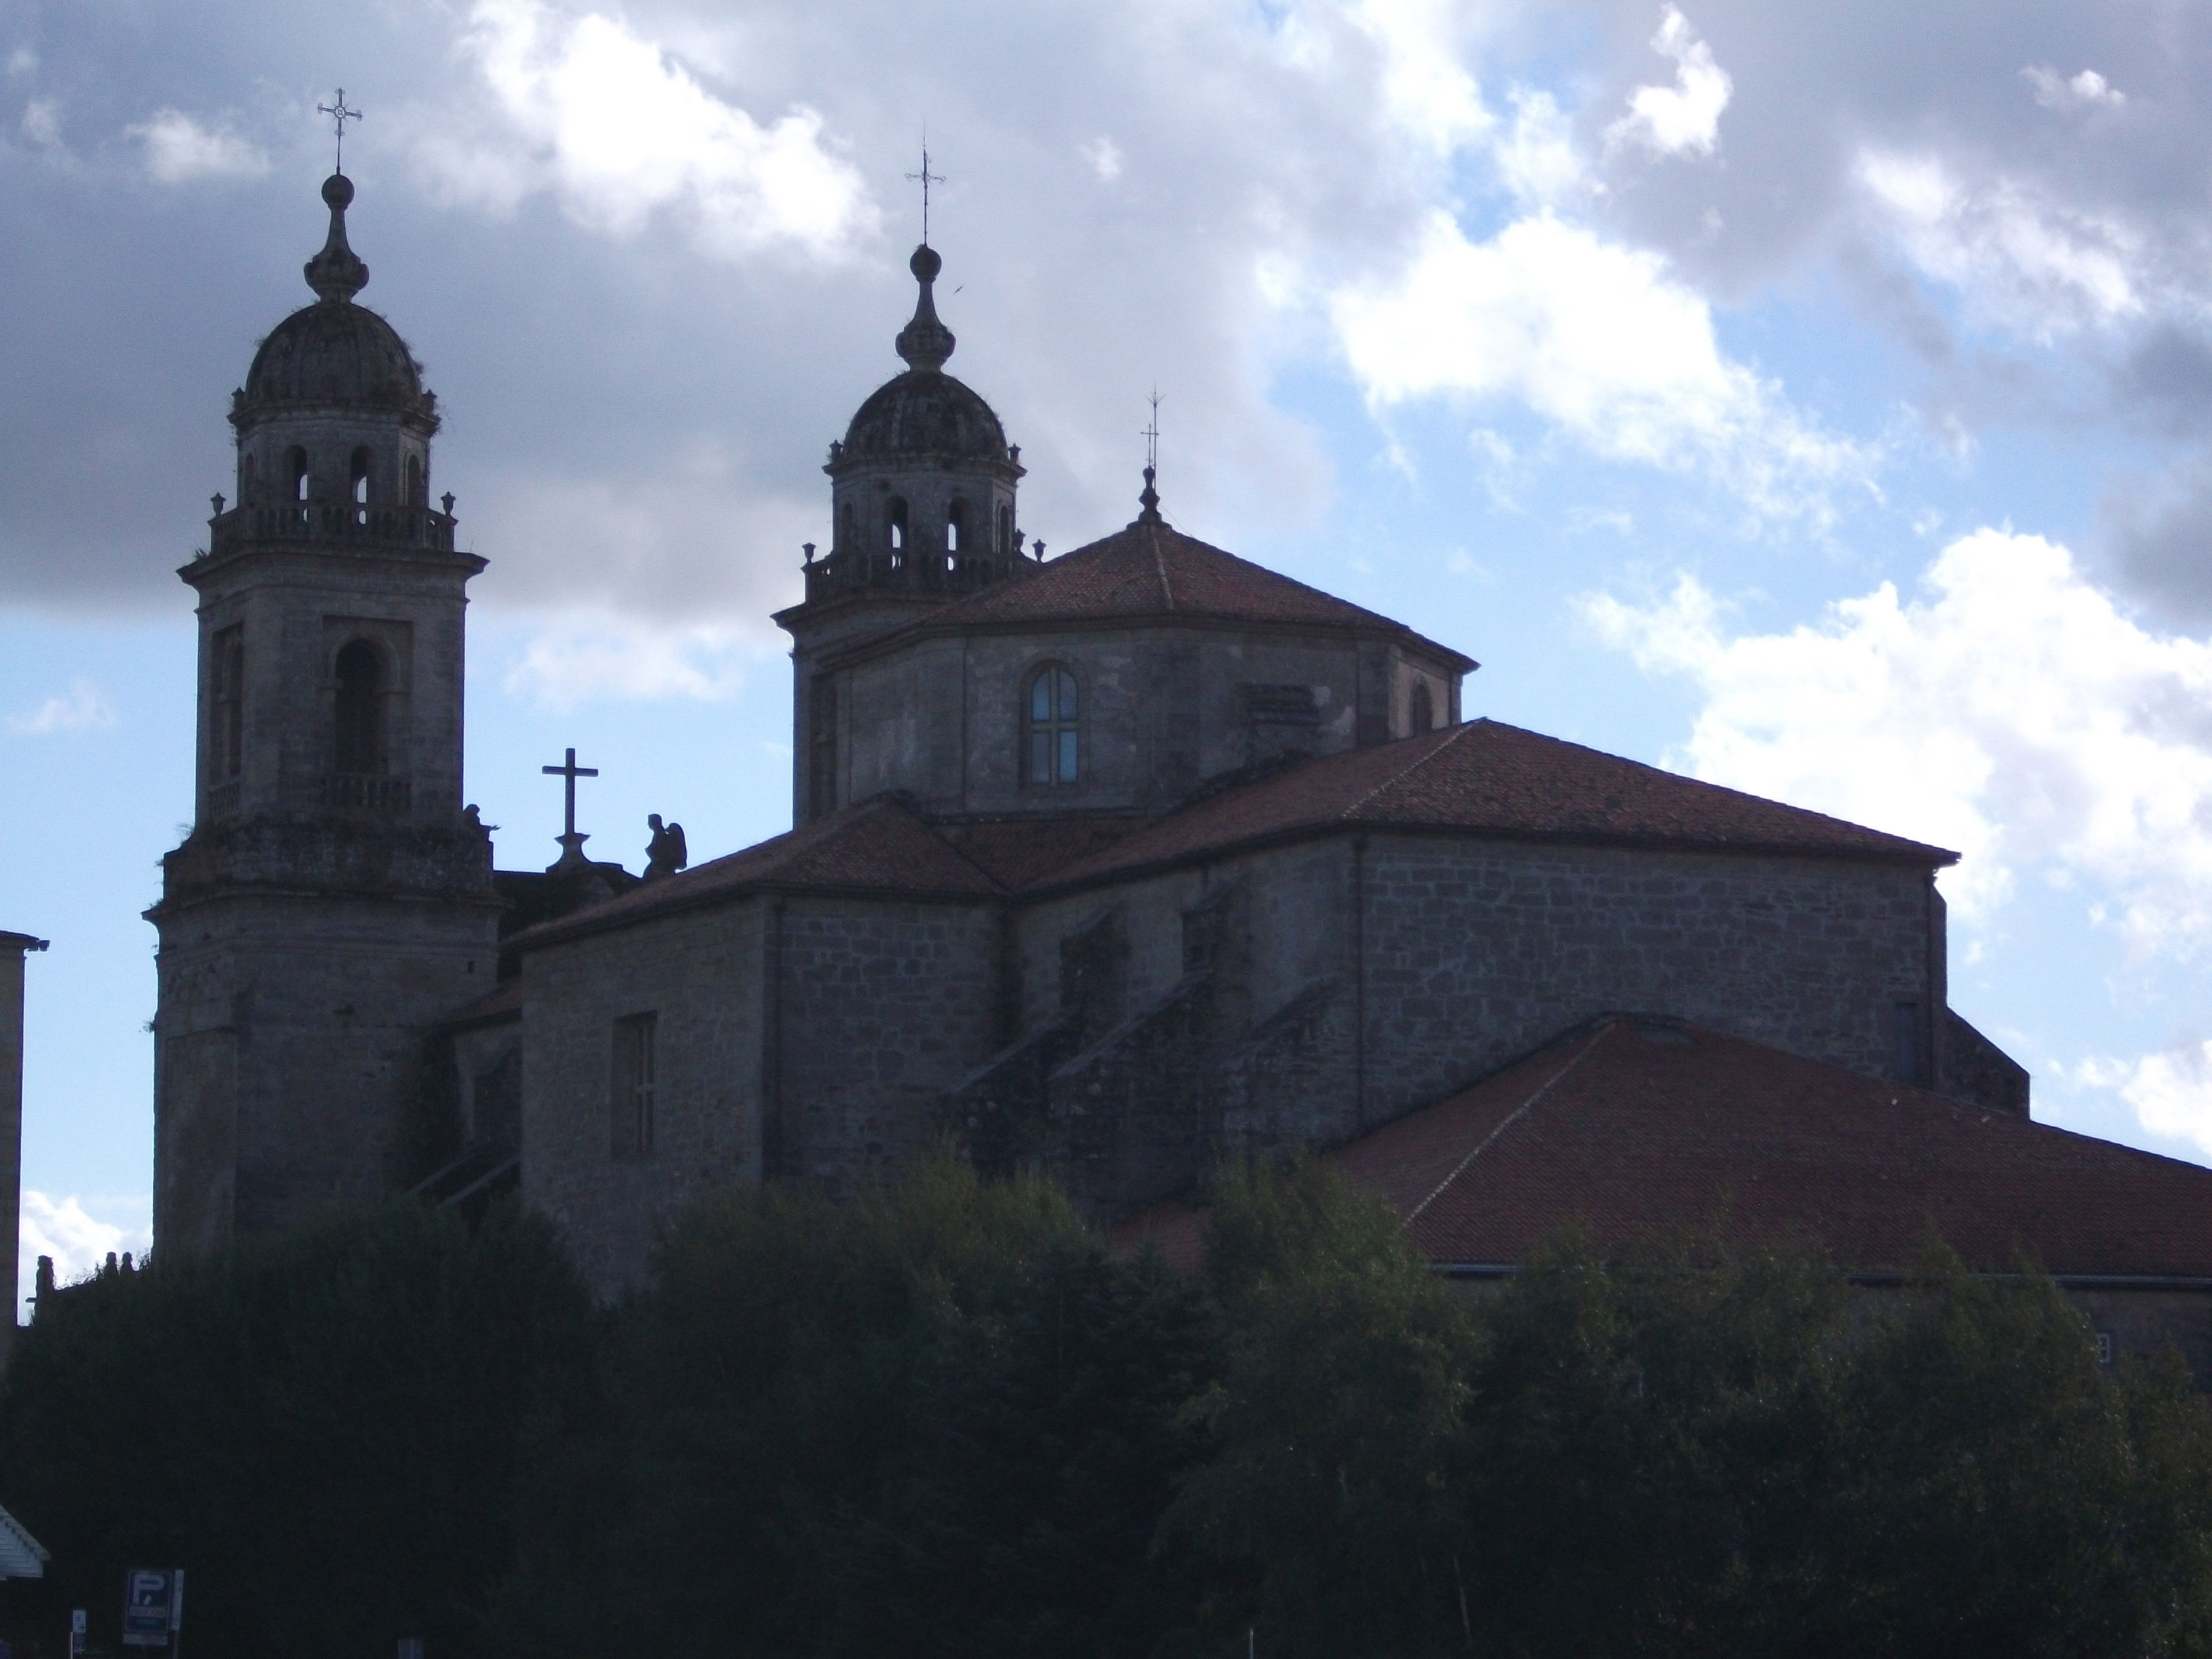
(360, 734)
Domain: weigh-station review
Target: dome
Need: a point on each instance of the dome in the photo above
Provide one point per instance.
(336, 352)
(925, 412)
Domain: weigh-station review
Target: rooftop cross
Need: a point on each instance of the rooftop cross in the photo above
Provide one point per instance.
(340, 115)
(569, 772)
(924, 179)
(1149, 497)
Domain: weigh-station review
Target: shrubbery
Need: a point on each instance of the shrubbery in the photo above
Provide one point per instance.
(940, 1419)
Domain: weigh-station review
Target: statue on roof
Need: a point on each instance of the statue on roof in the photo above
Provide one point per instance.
(665, 854)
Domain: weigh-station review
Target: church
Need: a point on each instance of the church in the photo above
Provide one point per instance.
(1126, 865)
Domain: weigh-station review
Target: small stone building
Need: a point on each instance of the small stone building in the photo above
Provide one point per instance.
(1123, 863)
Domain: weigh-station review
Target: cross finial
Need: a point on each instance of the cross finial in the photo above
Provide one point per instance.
(1151, 434)
(339, 115)
(572, 844)
(924, 179)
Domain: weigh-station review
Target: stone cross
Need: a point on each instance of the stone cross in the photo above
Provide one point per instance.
(569, 772)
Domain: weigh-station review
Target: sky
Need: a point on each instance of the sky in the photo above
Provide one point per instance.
(1808, 398)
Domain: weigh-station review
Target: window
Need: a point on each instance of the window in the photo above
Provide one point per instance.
(415, 496)
(229, 703)
(1054, 744)
(1905, 1041)
(632, 1099)
(246, 490)
(1421, 709)
(359, 746)
(357, 475)
(2104, 1347)
(295, 471)
(822, 748)
(956, 527)
(895, 524)
(1006, 530)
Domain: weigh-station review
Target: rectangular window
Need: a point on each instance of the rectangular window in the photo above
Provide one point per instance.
(2104, 1347)
(632, 1104)
(1905, 1041)
(822, 748)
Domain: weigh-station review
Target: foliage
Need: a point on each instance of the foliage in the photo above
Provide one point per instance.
(327, 1432)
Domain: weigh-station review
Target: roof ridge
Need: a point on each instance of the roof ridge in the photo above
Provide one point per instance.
(1509, 1121)
(1457, 732)
(1160, 563)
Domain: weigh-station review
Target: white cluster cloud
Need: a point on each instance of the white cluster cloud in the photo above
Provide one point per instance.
(42, 121)
(610, 121)
(85, 707)
(2087, 90)
(583, 658)
(1685, 118)
(2023, 259)
(1598, 338)
(2171, 1091)
(2013, 713)
(180, 147)
(76, 1240)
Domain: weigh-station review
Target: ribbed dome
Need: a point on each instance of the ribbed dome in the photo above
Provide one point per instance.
(336, 352)
(925, 412)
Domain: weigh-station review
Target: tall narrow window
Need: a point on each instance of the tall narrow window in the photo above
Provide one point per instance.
(295, 469)
(822, 748)
(631, 1106)
(955, 527)
(895, 524)
(246, 492)
(1006, 530)
(229, 703)
(360, 747)
(1421, 709)
(1055, 738)
(415, 496)
(1905, 1041)
(357, 476)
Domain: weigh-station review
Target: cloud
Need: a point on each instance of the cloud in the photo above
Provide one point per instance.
(42, 122)
(85, 708)
(2087, 90)
(1105, 156)
(77, 1240)
(619, 131)
(1685, 118)
(589, 658)
(2011, 712)
(1597, 338)
(1427, 89)
(2169, 1092)
(2023, 258)
(179, 148)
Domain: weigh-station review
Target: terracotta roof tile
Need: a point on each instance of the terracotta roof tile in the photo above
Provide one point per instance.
(1497, 779)
(1636, 1127)
(1019, 851)
(877, 846)
(1150, 571)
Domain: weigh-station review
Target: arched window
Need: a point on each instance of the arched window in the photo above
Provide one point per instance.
(1006, 530)
(956, 527)
(895, 524)
(357, 485)
(845, 540)
(360, 717)
(246, 490)
(1055, 738)
(415, 496)
(822, 746)
(1421, 709)
(295, 469)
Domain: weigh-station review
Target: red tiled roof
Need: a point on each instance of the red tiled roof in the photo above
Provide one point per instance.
(877, 846)
(1152, 571)
(1637, 1128)
(502, 1003)
(1497, 780)
(1019, 851)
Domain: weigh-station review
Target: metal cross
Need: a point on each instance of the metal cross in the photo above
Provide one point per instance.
(569, 772)
(1151, 434)
(340, 115)
(924, 179)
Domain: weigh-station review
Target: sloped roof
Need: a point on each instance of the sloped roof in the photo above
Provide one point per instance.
(1489, 778)
(880, 846)
(1636, 1127)
(1151, 572)
(22, 1556)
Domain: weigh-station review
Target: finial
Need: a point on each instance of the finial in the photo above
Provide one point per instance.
(924, 179)
(925, 343)
(337, 273)
(339, 114)
(1149, 497)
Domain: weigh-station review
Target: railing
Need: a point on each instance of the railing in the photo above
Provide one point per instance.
(901, 570)
(332, 521)
(354, 792)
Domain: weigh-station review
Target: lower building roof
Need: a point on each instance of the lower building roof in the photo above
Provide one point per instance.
(1634, 1128)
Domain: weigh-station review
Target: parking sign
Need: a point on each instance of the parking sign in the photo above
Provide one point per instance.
(147, 1597)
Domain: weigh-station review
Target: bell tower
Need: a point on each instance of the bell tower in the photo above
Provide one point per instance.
(334, 900)
(921, 501)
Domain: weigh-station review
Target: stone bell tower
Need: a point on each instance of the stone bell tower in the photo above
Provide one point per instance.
(333, 899)
(921, 501)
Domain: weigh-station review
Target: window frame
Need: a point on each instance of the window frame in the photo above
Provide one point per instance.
(1060, 728)
(633, 1086)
